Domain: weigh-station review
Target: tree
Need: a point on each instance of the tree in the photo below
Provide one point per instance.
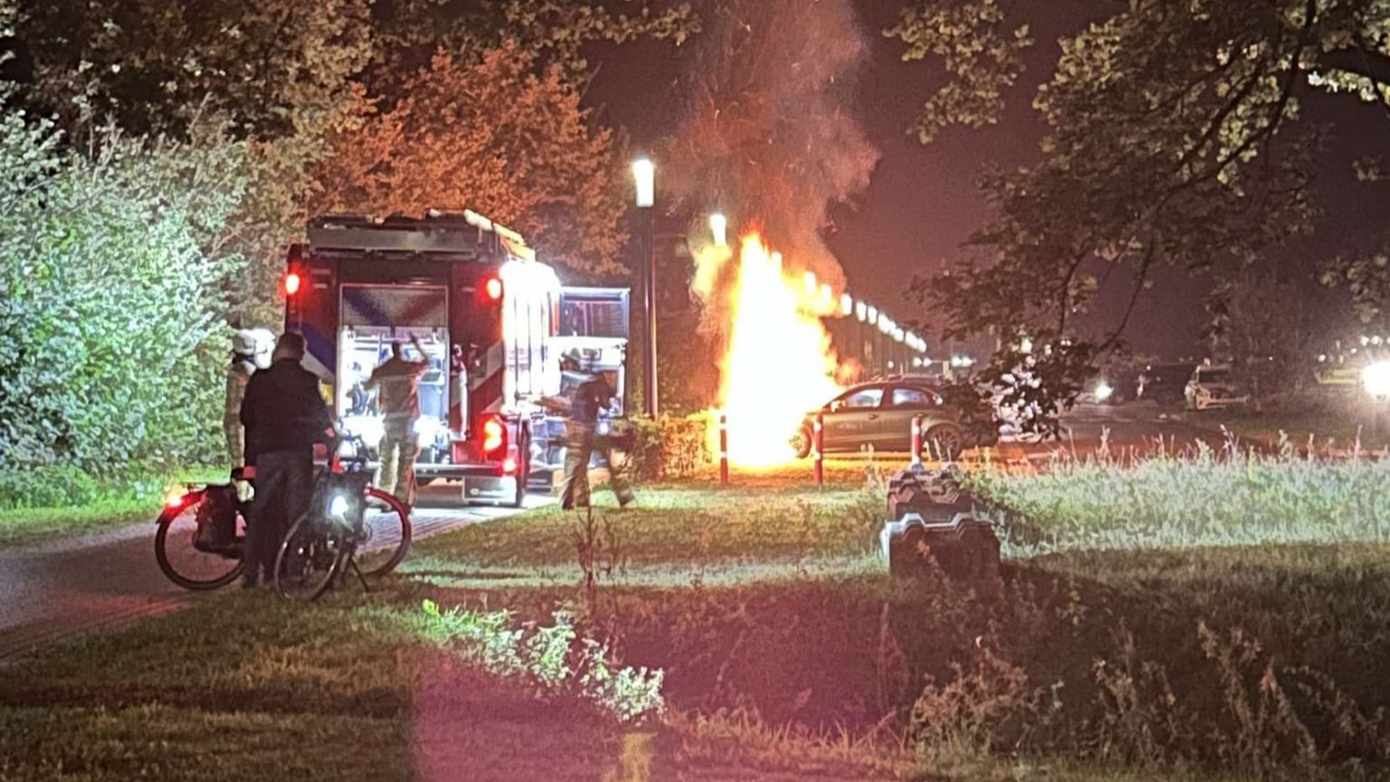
(1259, 322)
(490, 134)
(1171, 138)
(556, 32)
(112, 344)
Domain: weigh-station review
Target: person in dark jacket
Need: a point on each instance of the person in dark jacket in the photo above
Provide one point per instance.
(284, 416)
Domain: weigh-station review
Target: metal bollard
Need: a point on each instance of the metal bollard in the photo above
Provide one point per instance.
(723, 449)
(818, 450)
(916, 440)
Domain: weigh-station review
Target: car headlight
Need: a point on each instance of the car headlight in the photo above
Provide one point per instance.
(1104, 391)
(1375, 378)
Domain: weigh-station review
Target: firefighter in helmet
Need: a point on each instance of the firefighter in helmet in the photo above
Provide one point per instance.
(397, 382)
(593, 395)
(250, 352)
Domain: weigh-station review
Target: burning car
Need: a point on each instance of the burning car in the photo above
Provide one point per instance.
(879, 415)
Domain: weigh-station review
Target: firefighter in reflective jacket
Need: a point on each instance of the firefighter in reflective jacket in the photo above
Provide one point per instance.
(397, 382)
(593, 395)
(250, 352)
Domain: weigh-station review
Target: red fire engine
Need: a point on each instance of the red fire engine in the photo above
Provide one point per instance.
(491, 319)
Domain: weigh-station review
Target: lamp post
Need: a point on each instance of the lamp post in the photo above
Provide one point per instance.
(644, 173)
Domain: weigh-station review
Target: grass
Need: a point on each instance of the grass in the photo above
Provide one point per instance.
(1186, 620)
(99, 506)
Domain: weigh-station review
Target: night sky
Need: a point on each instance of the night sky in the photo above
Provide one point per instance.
(923, 202)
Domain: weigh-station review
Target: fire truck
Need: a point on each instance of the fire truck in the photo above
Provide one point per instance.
(491, 319)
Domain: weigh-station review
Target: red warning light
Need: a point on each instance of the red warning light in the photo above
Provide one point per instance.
(291, 284)
(493, 288)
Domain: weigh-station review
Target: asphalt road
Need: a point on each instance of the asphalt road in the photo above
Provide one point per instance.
(100, 582)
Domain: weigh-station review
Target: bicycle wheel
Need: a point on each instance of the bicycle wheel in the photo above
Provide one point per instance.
(386, 533)
(181, 561)
(309, 558)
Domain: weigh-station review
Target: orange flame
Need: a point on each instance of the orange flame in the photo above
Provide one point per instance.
(778, 363)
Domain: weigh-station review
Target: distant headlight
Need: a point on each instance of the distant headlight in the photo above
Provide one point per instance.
(1104, 391)
(1375, 378)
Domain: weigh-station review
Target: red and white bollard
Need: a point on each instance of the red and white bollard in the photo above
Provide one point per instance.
(818, 450)
(916, 440)
(723, 449)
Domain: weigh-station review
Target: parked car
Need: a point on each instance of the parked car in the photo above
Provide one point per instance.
(879, 414)
(1212, 386)
(1164, 383)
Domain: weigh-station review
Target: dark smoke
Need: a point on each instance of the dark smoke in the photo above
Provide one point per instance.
(767, 137)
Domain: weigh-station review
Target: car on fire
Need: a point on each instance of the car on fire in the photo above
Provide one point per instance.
(1212, 386)
(878, 415)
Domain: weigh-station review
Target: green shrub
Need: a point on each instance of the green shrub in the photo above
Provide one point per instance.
(670, 447)
(112, 335)
(68, 486)
(552, 659)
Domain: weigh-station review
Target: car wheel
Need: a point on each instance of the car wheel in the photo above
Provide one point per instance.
(801, 443)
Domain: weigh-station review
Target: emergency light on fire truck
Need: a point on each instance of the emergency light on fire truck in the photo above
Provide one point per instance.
(488, 317)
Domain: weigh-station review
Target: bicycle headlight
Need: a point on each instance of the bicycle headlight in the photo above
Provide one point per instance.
(338, 506)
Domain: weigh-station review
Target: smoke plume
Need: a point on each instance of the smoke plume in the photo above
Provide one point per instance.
(767, 137)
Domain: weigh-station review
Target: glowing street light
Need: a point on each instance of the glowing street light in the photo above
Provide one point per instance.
(644, 171)
(846, 304)
(719, 226)
(809, 280)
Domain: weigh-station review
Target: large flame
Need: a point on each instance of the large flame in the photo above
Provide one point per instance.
(778, 364)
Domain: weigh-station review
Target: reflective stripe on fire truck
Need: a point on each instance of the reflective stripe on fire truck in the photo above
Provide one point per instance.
(485, 381)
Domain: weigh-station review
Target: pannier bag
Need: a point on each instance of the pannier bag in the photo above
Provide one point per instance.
(216, 531)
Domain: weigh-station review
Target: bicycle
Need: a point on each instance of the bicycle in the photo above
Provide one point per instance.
(346, 516)
(201, 531)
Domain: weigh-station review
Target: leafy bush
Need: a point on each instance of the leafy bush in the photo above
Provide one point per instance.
(549, 658)
(671, 447)
(111, 310)
(52, 486)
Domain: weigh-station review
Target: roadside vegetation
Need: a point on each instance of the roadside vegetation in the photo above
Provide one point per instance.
(1213, 616)
(42, 504)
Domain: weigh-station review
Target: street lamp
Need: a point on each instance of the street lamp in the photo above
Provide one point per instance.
(719, 226)
(644, 171)
(644, 174)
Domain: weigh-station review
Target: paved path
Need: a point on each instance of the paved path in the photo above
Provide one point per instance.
(66, 588)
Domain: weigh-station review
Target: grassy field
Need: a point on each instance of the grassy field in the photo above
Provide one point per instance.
(1201, 619)
(100, 505)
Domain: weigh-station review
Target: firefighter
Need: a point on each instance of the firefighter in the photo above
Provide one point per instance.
(398, 394)
(284, 415)
(593, 395)
(250, 352)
